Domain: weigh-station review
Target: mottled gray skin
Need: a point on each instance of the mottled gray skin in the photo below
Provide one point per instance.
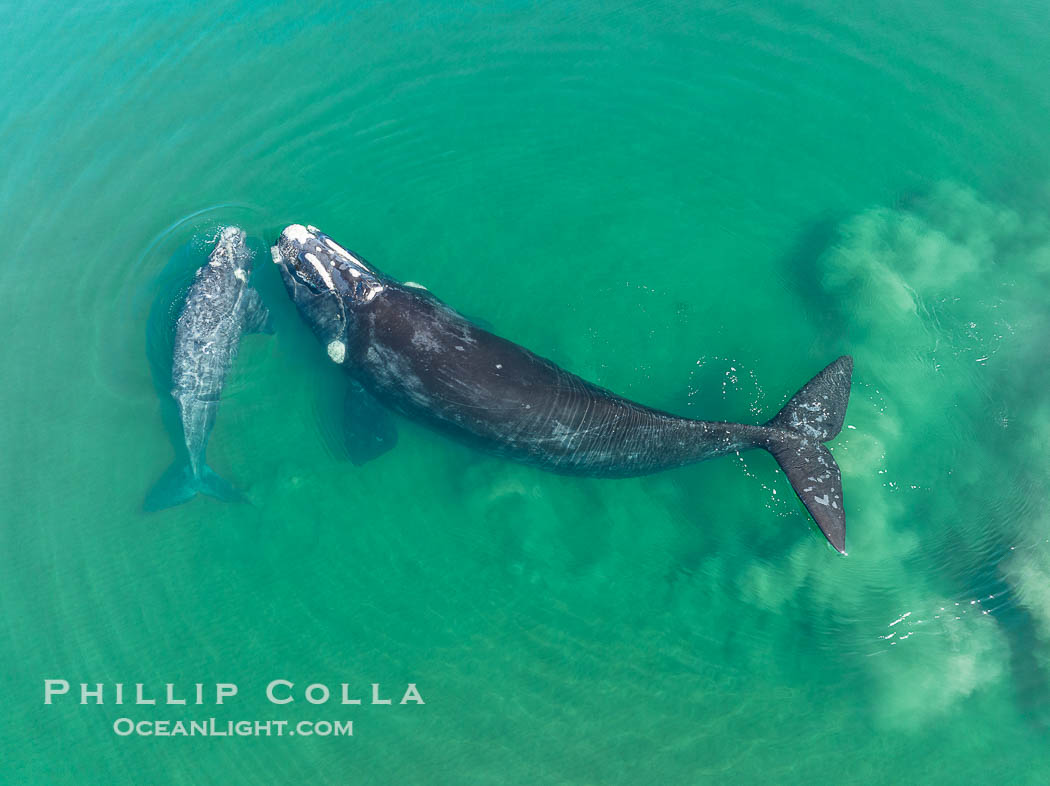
(424, 360)
(219, 307)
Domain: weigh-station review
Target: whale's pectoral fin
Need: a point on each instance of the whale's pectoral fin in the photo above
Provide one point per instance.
(484, 324)
(369, 429)
(257, 316)
(814, 415)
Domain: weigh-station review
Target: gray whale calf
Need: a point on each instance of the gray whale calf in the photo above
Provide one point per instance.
(424, 360)
(219, 307)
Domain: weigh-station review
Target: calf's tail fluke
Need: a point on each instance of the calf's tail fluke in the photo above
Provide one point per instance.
(812, 416)
(180, 484)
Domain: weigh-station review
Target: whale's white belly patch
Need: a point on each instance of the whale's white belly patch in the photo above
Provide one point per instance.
(337, 351)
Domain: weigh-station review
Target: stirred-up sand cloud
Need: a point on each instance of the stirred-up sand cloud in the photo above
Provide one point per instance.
(946, 469)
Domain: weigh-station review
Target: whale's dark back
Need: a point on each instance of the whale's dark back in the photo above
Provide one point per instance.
(431, 364)
(426, 361)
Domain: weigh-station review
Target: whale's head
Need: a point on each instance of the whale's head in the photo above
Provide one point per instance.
(328, 284)
(231, 238)
(231, 253)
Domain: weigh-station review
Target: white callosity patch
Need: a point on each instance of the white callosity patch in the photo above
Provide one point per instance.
(240, 275)
(321, 270)
(298, 234)
(337, 351)
(329, 259)
(346, 255)
(232, 234)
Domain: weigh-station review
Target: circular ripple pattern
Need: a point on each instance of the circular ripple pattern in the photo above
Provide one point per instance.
(695, 204)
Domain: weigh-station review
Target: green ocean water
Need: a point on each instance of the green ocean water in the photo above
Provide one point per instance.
(697, 205)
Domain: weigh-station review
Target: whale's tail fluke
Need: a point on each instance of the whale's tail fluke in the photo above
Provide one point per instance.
(179, 484)
(814, 415)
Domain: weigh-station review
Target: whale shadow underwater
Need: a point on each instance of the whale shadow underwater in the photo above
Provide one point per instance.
(416, 356)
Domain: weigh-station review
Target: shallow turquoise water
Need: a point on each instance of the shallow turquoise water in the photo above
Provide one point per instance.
(697, 205)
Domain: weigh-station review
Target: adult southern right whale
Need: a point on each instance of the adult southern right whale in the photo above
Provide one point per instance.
(426, 361)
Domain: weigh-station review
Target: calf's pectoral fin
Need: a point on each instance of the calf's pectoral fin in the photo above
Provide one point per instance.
(257, 316)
